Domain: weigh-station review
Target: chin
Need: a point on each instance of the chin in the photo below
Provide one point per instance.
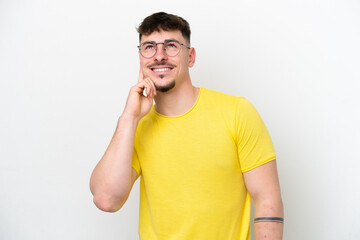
(166, 87)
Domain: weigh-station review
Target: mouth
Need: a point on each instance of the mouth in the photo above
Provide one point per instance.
(161, 69)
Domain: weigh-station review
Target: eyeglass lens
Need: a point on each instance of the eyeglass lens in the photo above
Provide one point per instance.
(171, 48)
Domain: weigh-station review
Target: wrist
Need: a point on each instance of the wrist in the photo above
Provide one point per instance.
(126, 118)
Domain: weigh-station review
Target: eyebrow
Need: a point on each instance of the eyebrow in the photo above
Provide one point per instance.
(166, 40)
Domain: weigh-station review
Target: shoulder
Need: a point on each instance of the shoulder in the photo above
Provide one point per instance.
(220, 95)
(223, 99)
(238, 107)
(216, 93)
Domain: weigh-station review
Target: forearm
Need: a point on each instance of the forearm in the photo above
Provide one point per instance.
(111, 179)
(268, 220)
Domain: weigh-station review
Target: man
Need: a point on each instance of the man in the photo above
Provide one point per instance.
(200, 153)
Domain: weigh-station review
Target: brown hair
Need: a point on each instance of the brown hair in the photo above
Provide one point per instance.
(164, 21)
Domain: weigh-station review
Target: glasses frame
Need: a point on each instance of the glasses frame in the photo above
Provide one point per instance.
(163, 43)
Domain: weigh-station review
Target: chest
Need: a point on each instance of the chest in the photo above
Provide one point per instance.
(199, 149)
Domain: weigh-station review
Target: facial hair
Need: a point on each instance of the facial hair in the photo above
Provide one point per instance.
(171, 84)
(167, 87)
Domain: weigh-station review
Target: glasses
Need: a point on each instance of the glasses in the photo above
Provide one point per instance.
(170, 47)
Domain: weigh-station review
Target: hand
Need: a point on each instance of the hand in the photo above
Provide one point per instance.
(138, 105)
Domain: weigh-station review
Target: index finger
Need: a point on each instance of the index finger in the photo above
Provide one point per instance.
(141, 75)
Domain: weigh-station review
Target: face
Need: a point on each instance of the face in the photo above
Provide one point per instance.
(167, 72)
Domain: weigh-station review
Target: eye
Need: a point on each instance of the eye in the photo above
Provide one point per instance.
(147, 47)
(170, 45)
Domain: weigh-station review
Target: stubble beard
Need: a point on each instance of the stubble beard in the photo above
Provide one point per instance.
(171, 84)
(167, 87)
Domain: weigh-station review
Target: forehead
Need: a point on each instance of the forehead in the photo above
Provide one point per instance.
(162, 36)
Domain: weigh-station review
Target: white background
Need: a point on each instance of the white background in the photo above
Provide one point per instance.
(66, 68)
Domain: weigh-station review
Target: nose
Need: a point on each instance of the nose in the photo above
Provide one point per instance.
(160, 54)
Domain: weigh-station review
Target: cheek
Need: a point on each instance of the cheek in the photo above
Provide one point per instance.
(179, 70)
(142, 63)
(183, 66)
(146, 71)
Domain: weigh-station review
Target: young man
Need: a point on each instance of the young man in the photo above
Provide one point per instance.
(201, 154)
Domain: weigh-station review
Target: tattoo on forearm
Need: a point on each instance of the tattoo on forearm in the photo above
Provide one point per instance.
(269, 219)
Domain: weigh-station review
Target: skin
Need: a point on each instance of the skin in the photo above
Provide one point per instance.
(113, 177)
(263, 186)
(179, 64)
(175, 92)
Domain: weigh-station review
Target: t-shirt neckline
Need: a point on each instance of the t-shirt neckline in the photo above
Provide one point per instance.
(159, 115)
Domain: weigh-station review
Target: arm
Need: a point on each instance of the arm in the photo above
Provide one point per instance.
(113, 177)
(263, 186)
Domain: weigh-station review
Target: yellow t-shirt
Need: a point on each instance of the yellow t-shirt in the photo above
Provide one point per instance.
(191, 167)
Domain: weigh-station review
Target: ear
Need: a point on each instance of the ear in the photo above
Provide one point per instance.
(192, 55)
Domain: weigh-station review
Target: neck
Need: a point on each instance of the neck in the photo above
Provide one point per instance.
(176, 101)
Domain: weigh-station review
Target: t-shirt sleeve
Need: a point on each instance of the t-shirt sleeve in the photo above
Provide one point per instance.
(135, 159)
(253, 140)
